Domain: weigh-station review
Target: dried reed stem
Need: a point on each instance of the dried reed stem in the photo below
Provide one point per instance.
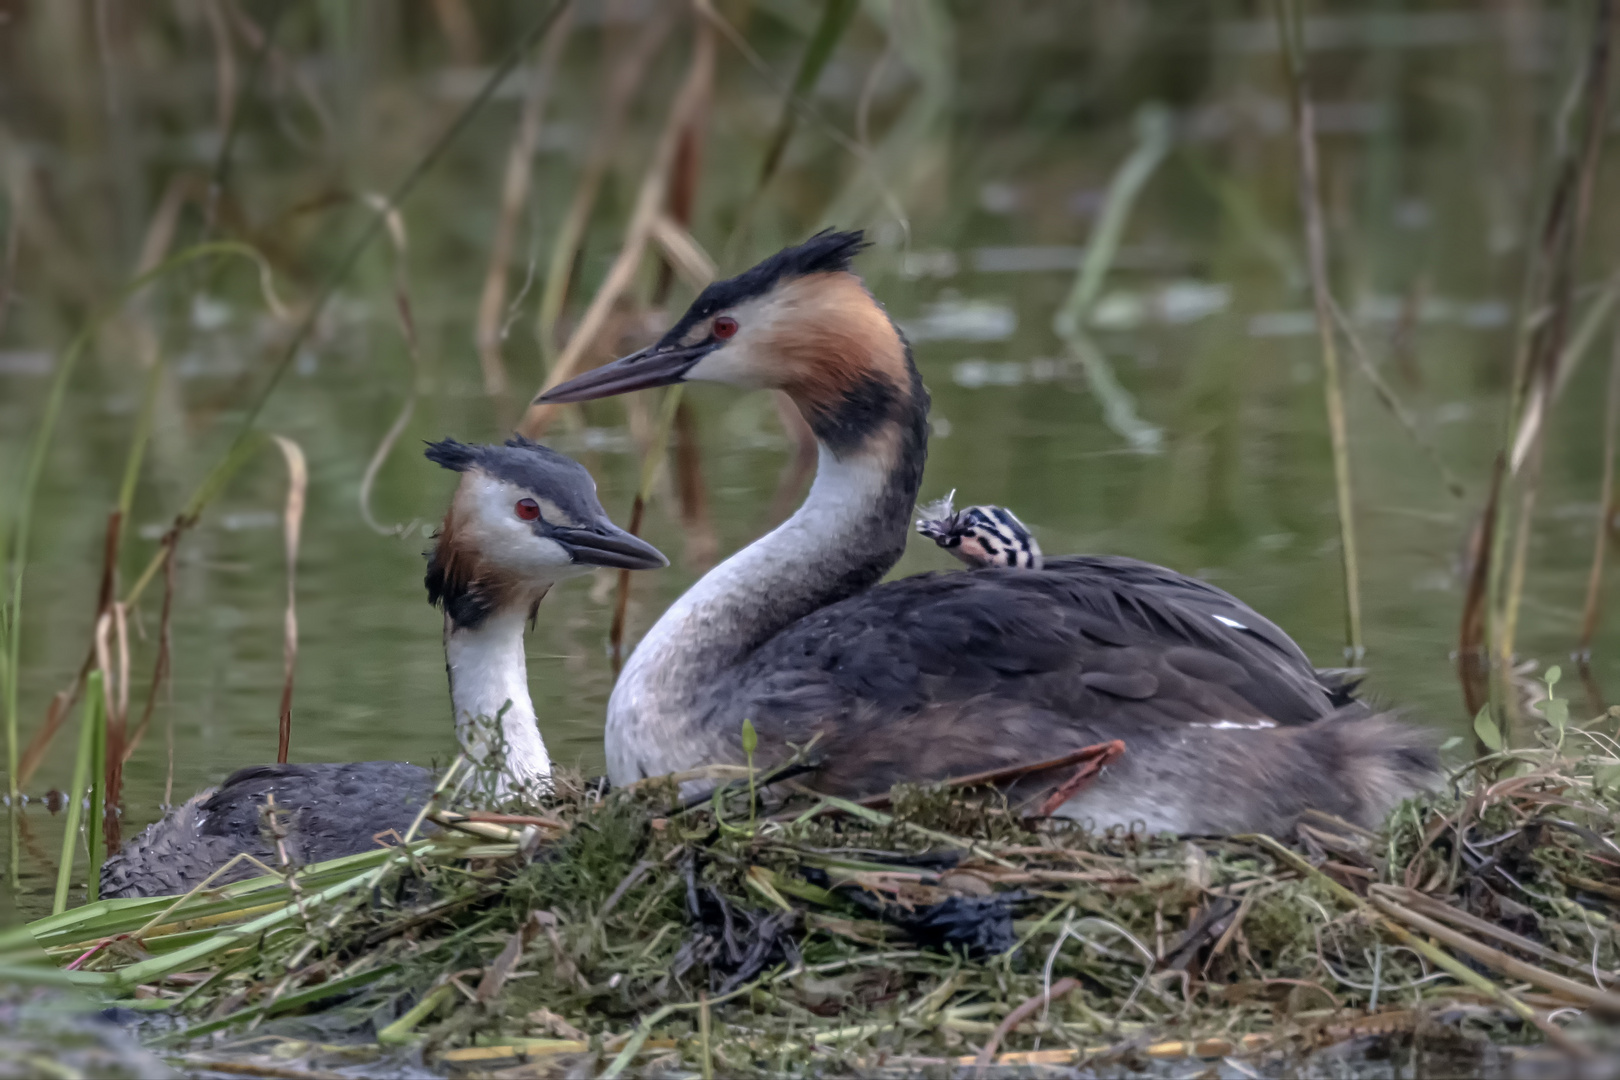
(292, 521)
(624, 78)
(1549, 298)
(160, 666)
(1310, 201)
(1600, 544)
(693, 95)
(488, 330)
(1024, 1011)
(399, 241)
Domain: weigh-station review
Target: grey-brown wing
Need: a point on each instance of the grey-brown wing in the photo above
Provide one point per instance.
(1109, 643)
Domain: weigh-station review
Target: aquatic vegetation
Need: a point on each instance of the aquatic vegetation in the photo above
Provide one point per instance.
(558, 182)
(633, 931)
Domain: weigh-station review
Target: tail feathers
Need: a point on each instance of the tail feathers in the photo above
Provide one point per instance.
(1376, 762)
(1341, 684)
(1211, 781)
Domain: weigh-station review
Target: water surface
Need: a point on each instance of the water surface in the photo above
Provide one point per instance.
(996, 131)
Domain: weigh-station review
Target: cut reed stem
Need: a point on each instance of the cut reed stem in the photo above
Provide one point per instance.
(1310, 201)
(292, 521)
(1600, 543)
(1549, 302)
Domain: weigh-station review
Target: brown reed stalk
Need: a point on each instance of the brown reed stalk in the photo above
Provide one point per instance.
(108, 777)
(241, 446)
(399, 242)
(292, 522)
(8, 257)
(160, 666)
(62, 701)
(1600, 544)
(1473, 644)
(1549, 298)
(668, 227)
(691, 490)
(649, 207)
(247, 436)
(1310, 201)
(491, 321)
(625, 75)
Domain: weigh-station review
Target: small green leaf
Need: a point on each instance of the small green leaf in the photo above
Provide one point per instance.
(750, 738)
(1557, 712)
(1487, 731)
(1607, 778)
(1450, 743)
(1554, 673)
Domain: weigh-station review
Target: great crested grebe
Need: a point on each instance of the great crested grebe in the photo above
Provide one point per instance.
(980, 535)
(523, 518)
(1227, 727)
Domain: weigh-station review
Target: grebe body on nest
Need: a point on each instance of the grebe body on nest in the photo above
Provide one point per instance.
(1227, 729)
(523, 518)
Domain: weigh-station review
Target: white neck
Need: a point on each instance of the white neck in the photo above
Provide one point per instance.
(752, 594)
(489, 674)
(836, 544)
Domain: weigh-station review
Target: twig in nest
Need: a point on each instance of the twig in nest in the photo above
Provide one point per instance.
(1103, 754)
(1017, 1016)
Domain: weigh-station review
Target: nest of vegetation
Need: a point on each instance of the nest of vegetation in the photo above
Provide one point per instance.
(942, 932)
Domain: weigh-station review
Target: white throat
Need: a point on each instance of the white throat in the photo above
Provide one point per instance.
(732, 610)
(489, 678)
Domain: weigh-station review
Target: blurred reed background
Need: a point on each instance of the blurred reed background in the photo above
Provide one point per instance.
(252, 253)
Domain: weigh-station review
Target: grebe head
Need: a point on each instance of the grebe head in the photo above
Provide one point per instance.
(979, 535)
(800, 321)
(523, 518)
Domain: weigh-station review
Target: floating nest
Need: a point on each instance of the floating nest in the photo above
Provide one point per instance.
(941, 932)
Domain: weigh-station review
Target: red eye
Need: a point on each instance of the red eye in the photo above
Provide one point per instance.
(527, 509)
(724, 327)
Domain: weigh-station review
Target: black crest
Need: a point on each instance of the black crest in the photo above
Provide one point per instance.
(457, 456)
(824, 253)
(529, 465)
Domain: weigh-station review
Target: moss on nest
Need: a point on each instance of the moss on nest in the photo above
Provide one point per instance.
(819, 936)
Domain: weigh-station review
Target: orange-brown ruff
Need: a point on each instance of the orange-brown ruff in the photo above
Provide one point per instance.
(1227, 726)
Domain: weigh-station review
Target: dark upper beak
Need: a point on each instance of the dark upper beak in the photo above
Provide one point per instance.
(651, 366)
(608, 545)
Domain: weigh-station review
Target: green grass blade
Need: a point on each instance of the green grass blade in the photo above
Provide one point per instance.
(81, 778)
(93, 831)
(11, 624)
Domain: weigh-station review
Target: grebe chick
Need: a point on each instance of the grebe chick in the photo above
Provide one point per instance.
(979, 535)
(523, 518)
(1227, 726)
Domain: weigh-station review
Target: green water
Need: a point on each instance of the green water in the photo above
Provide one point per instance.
(996, 129)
